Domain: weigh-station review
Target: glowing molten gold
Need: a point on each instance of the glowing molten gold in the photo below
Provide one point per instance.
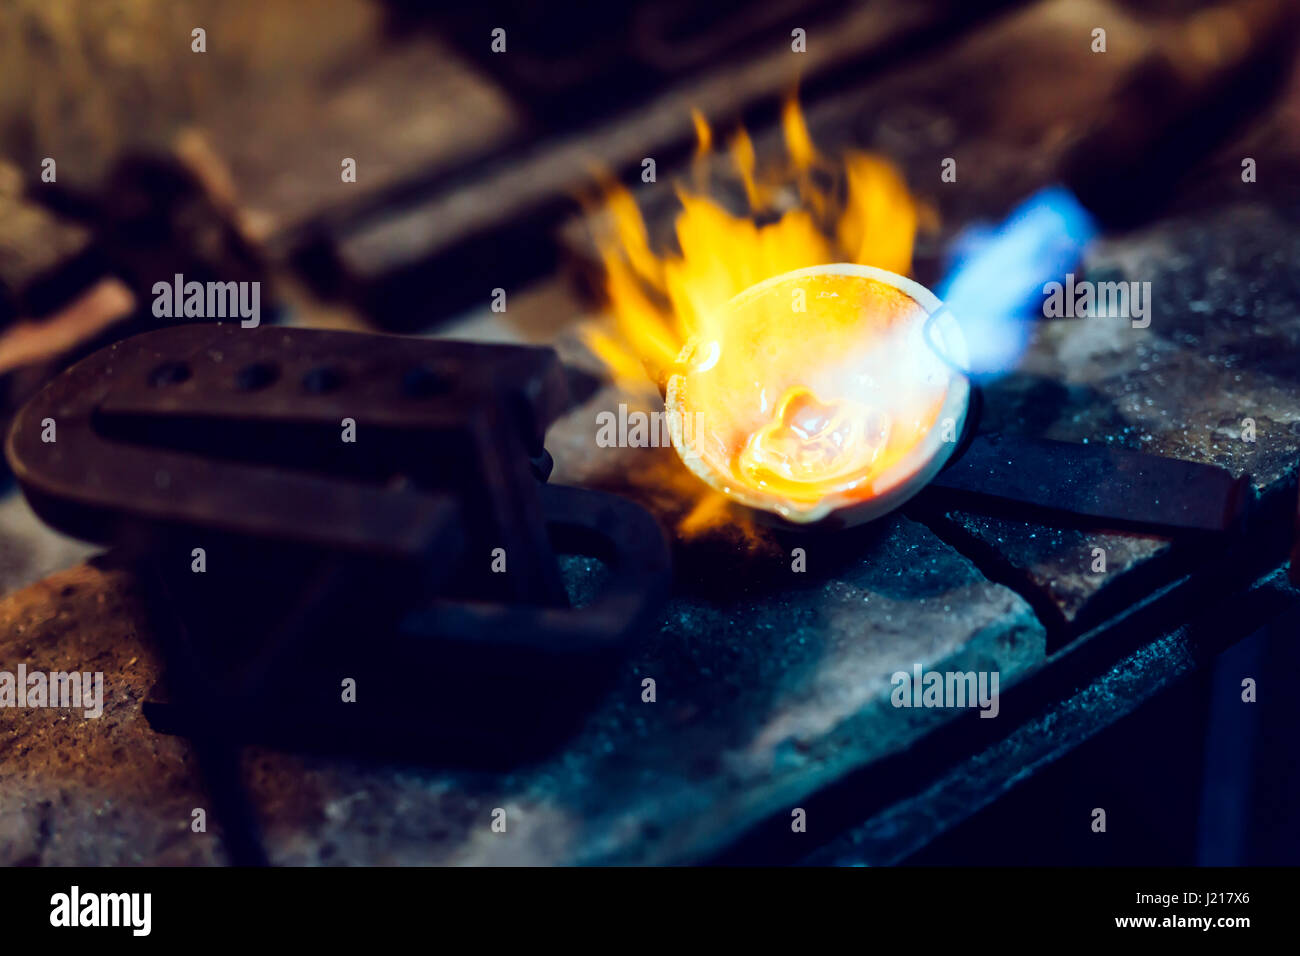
(810, 444)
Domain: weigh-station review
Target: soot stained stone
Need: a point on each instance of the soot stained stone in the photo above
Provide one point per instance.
(761, 701)
(103, 791)
(1221, 348)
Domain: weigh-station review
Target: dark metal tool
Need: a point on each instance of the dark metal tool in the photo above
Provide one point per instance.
(1101, 484)
(419, 561)
(1097, 485)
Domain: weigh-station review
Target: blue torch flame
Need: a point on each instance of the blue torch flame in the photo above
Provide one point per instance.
(994, 285)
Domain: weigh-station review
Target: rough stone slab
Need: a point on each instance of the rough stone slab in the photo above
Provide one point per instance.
(1135, 680)
(762, 699)
(105, 791)
(1221, 348)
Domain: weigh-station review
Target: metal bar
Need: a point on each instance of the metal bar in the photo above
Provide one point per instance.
(1115, 486)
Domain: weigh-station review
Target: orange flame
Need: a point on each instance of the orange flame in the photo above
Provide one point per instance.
(805, 211)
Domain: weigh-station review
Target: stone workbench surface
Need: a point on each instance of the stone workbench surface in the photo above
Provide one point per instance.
(762, 698)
